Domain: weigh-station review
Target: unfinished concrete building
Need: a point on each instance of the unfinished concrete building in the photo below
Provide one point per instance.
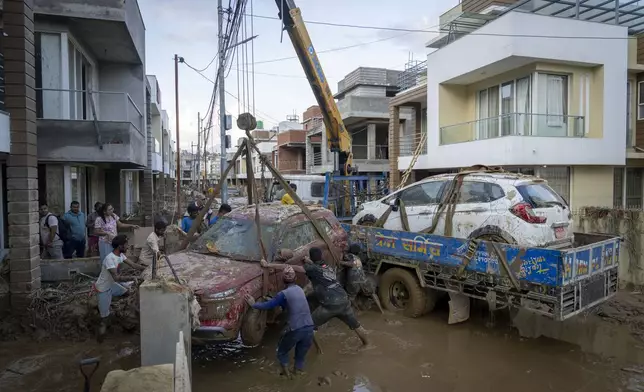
(363, 100)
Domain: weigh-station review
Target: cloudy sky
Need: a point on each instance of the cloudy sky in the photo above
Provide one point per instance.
(189, 29)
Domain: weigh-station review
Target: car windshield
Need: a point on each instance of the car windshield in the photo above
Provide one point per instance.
(235, 238)
(541, 195)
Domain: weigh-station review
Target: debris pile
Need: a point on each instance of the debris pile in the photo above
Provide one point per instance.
(69, 310)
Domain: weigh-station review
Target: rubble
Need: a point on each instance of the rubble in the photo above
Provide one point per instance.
(69, 310)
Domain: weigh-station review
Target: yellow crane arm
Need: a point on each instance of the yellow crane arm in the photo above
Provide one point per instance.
(338, 139)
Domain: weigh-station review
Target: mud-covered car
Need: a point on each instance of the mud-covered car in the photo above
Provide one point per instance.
(223, 264)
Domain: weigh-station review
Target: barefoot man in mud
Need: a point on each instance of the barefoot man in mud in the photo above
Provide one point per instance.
(334, 301)
(298, 332)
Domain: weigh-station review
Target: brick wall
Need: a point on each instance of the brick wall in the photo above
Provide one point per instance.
(291, 160)
(22, 164)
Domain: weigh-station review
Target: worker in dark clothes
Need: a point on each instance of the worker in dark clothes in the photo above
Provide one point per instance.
(298, 332)
(334, 301)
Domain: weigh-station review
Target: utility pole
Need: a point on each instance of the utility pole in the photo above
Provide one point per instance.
(198, 149)
(176, 115)
(222, 107)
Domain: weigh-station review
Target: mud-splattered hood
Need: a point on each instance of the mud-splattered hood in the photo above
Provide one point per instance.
(209, 274)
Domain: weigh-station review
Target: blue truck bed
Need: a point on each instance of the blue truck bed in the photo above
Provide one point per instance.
(556, 283)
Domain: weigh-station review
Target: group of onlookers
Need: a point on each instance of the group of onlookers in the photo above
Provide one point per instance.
(65, 236)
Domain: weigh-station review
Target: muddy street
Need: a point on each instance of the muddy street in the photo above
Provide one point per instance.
(408, 355)
(418, 355)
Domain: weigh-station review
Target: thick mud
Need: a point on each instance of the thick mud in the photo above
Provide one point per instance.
(422, 354)
(419, 355)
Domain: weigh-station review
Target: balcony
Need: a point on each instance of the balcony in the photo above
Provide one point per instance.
(89, 126)
(513, 124)
(156, 162)
(155, 97)
(119, 20)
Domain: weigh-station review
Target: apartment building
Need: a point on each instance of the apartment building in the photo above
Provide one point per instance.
(189, 171)
(266, 142)
(289, 152)
(363, 100)
(162, 147)
(498, 91)
(92, 99)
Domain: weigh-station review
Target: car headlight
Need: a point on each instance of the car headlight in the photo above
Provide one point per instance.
(222, 294)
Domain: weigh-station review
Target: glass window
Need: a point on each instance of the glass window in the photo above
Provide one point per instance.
(540, 195)
(236, 238)
(640, 101)
(422, 194)
(479, 192)
(634, 188)
(300, 235)
(317, 189)
(618, 187)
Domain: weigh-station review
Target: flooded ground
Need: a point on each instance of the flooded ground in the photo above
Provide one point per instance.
(408, 355)
(420, 355)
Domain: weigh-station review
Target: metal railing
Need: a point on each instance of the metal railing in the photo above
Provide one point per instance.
(362, 152)
(68, 104)
(408, 144)
(415, 73)
(514, 124)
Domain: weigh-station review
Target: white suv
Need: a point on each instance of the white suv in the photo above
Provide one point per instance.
(500, 207)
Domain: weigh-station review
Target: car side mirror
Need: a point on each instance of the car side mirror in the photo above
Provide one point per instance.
(393, 203)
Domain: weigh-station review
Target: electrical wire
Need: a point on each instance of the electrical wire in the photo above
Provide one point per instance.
(383, 28)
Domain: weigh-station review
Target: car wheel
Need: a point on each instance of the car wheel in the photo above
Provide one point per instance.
(253, 327)
(400, 292)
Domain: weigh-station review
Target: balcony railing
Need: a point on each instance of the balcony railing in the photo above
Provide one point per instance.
(66, 104)
(359, 152)
(514, 124)
(362, 151)
(409, 143)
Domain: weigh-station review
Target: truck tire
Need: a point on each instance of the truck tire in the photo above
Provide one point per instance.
(253, 327)
(400, 292)
(431, 296)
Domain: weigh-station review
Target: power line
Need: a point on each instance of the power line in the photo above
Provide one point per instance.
(351, 25)
(232, 95)
(384, 28)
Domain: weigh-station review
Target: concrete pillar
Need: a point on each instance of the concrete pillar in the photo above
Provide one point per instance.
(324, 149)
(394, 146)
(309, 154)
(146, 193)
(22, 165)
(371, 141)
(165, 311)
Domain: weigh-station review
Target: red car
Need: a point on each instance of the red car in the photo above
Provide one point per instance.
(223, 264)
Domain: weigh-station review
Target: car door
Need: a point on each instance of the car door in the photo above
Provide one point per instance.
(300, 237)
(474, 208)
(421, 202)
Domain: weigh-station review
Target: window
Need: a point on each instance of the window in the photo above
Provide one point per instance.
(479, 192)
(634, 188)
(325, 226)
(540, 195)
(488, 111)
(423, 194)
(79, 75)
(554, 89)
(618, 187)
(317, 189)
(300, 235)
(2, 107)
(640, 101)
(629, 111)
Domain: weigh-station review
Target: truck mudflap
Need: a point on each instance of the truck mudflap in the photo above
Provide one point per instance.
(557, 283)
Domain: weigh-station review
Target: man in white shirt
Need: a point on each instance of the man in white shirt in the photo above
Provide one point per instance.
(151, 248)
(52, 245)
(107, 286)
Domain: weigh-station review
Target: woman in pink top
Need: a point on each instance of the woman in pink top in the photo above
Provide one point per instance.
(106, 228)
